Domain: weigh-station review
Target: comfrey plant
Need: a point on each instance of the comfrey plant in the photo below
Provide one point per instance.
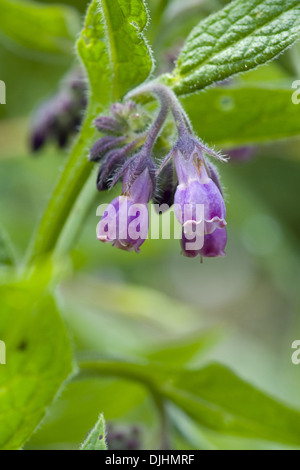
(157, 158)
(198, 200)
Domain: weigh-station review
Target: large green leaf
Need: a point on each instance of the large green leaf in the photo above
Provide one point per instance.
(41, 29)
(182, 351)
(230, 117)
(113, 49)
(242, 36)
(70, 423)
(219, 400)
(38, 360)
(96, 438)
(213, 396)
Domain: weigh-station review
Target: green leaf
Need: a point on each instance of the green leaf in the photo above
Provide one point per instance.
(38, 360)
(219, 400)
(182, 351)
(230, 117)
(41, 29)
(113, 49)
(238, 38)
(96, 439)
(69, 423)
(213, 396)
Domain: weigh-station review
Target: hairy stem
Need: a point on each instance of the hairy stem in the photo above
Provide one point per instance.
(76, 219)
(165, 95)
(156, 127)
(71, 182)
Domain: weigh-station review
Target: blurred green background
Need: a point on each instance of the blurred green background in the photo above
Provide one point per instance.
(244, 308)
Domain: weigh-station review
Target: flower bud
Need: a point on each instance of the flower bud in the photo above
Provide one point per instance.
(109, 125)
(103, 146)
(113, 160)
(130, 115)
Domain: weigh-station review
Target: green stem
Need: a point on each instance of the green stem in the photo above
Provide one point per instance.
(137, 373)
(164, 423)
(72, 228)
(167, 97)
(71, 182)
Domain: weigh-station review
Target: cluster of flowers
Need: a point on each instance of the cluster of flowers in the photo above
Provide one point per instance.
(58, 118)
(194, 181)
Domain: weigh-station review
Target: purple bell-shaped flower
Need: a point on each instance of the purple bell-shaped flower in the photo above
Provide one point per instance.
(125, 222)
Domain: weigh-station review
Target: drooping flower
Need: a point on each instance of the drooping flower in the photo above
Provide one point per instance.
(125, 222)
(196, 189)
(130, 115)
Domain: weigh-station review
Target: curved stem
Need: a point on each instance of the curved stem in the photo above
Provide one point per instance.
(137, 373)
(71, 182)
(156, 127)
(164, 94)
(76, 219)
